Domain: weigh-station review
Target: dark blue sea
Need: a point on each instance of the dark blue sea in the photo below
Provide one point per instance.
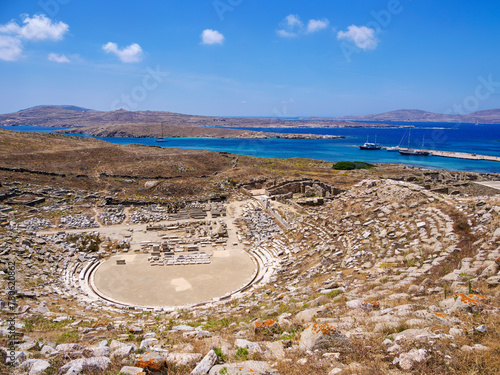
(470, 138)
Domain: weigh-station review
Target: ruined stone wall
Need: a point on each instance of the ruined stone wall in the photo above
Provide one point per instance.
(304, 186)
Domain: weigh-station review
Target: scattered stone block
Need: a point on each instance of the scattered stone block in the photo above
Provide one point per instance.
(131, 370)
(407, 360)
(206, 364)
(183, 359)
(493, 281)
(147, 344)
(469, 302)
(79, 365)
(35, 366)
(152, 361)
(323, 336)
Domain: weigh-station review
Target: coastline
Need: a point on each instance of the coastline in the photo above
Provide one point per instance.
(464, 155)
(459, 155)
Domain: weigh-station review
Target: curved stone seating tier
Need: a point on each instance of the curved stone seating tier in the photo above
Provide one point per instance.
(76, 274)
(362, 229)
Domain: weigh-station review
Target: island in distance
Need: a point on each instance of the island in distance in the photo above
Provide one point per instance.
(151, 124)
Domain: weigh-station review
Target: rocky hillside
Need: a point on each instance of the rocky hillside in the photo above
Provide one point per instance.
(90, 158)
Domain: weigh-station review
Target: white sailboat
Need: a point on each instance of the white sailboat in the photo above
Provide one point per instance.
(398, 147)
(410, 152)
(161, 139)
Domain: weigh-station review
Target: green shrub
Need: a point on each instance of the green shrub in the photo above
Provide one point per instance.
(351, 165)
(241, 354)
(221, 357)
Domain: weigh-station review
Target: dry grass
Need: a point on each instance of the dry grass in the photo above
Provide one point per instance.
(314, 365)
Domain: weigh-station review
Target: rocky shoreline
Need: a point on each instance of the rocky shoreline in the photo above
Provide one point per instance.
(194, 132)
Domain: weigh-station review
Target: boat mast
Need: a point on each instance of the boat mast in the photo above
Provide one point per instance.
(403, 138)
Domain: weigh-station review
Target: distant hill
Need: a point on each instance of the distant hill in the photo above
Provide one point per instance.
(71, 116)
(75, 117)
(491, 116)
(123, 123)
(68, 107)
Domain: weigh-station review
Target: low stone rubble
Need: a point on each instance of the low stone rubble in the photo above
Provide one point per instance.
(78, 222)
(112, 216)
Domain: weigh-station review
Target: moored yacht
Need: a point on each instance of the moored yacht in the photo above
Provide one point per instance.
(410, 152)
(370, 145)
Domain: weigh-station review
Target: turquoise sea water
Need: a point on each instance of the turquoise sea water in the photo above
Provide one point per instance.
(480, 139)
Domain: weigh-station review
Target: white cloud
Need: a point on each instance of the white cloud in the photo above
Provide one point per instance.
(293, 20)
(286, 34)
(11, 48)
(292, 26)
(317, 25)
(130, 54)
(36, 28)
(58, 58)
(210, 36)
(363, 37)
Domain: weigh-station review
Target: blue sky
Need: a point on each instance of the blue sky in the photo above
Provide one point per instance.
(251, 57)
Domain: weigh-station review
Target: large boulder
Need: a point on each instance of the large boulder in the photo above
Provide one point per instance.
(206, 364)
(323, 336)
(409, 359)
(35, 366)
(152, 361)
(101, 349)
(86, 364)
(412, 335)
(183, 359)
(305, 316)
(39, 367)
(120, 349)
(469, 303)
(147, 344)
(253, 347)
(491, 270)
